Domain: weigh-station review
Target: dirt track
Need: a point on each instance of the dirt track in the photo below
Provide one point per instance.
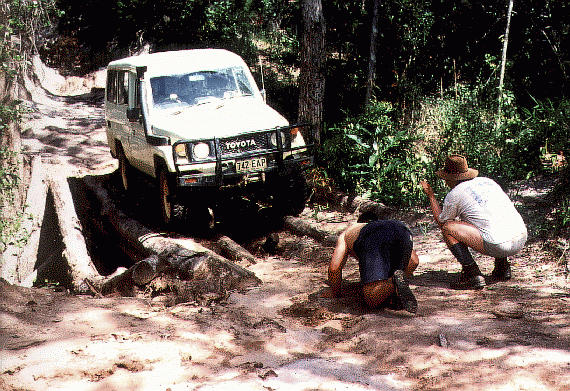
(284, 335)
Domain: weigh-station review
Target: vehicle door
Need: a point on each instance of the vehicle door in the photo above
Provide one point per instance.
(142, 155)
(115, 110)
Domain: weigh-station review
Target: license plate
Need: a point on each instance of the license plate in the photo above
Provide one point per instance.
(250, 165)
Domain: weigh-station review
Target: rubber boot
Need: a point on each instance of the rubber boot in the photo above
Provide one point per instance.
(470, 277)
(408, 301)
(502, 270)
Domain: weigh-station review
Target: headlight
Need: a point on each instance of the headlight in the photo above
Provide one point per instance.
(180, 150)
(273, 139)
(200, 151)
(296, 138)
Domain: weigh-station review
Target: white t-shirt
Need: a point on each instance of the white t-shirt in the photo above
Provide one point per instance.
(481, 202)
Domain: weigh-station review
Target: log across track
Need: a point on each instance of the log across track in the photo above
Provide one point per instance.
(266, 323)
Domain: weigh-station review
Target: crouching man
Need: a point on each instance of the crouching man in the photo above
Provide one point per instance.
(385, 254)
(476, 214)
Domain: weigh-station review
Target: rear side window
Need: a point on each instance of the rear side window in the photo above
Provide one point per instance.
(112, 86)
(118, 87)
(123, 88)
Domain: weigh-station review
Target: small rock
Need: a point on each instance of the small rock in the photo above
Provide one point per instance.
(442, 340)
(270, 373)
(508, 310)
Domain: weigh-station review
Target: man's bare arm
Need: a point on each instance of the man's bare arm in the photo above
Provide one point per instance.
(338, 260)
(434, 205)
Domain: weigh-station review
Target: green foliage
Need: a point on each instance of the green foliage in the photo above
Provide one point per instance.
(370, 155)
(10, 223)
(9, 178)
(469, 127)
(22, 23)
(544, 129)
(563, 213)
(11, 231)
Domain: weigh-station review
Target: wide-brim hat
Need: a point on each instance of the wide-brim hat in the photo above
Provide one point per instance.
(456, 168)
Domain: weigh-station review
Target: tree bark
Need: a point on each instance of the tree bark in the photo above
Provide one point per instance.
(371, 80)
(311, 77)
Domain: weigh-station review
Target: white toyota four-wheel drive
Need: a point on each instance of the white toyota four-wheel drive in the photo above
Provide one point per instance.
(196, 122)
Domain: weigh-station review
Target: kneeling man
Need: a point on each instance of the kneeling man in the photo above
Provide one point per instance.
(385, 254)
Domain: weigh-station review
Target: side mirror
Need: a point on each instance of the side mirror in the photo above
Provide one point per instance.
(134, 114)
(264, 95)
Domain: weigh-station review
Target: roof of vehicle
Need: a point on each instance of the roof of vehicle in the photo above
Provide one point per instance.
(180, 61)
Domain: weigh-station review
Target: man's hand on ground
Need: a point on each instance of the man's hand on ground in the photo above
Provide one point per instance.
(328, 293)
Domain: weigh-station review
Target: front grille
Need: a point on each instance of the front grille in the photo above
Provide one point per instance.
(245, 143)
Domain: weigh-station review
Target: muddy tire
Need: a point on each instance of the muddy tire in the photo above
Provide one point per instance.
(291, 194)
(165, 195)
(125, 171)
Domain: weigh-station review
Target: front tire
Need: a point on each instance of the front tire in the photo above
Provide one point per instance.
(290, 194)
(124, 171)
(165, 193)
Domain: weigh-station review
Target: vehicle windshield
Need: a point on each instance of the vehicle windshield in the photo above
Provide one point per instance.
(196, 88)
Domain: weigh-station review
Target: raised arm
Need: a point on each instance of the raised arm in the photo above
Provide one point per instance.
(338, 260)
(435, 208)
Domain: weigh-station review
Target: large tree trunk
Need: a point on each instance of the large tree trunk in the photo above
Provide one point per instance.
(311, 77)
(35, 208)
(371, 80)
(81, 268)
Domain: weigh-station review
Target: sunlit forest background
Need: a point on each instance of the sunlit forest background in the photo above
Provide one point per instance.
(437, 85)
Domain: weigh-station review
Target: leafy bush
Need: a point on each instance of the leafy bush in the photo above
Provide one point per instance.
(369, 154)
(543, 133)
(505, 145)
(469, 126)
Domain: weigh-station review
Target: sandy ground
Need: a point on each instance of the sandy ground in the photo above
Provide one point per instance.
(283, 334)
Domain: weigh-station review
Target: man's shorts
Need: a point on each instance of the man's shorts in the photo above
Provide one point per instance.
(505, 249)
(382, 247)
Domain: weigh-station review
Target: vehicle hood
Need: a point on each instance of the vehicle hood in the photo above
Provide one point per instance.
(218, 119)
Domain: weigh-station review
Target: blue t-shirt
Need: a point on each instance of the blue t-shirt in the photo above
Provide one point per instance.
(382, 247)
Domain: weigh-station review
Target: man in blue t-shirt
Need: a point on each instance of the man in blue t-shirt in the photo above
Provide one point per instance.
(385, 254)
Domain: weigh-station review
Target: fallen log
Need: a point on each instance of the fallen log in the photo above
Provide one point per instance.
(360, 205)
(309, 228)
(123, 281)
(75, 252)
(234, 251)
(144, 271)
(173, 254)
